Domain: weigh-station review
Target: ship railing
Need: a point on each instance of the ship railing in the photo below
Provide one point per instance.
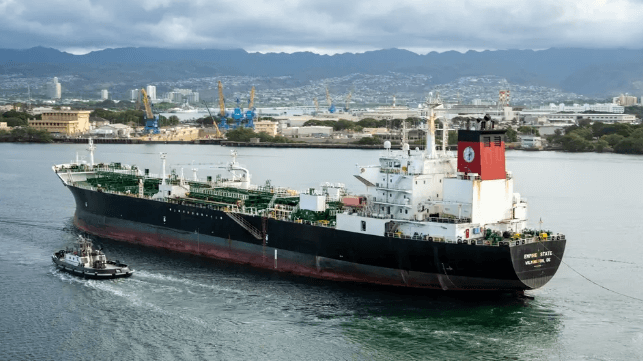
(477, 241)
(448, 220)
(393, 171)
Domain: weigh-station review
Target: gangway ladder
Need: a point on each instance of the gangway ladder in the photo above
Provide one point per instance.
(245, 224)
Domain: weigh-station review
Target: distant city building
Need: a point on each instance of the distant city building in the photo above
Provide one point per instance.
(3, 125)
(67, 122)
(104, 94)
(54, 89)
(607, 108)
(193, 98)
(133, 94)
(151, 91)
(603, 118)
(625, 100)
(174, 97)
(482, 102)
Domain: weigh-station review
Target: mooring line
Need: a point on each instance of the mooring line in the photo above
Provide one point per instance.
(589, 280)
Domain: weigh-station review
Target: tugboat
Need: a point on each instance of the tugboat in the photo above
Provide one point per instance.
(83, 260)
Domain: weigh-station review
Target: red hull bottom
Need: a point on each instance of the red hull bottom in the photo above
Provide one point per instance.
(287, 261)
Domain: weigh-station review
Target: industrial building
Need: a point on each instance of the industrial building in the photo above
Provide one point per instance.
(266, 126)
(65, 122)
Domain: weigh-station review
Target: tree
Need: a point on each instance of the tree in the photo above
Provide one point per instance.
(512, 135)
(601, 145)
(630, 145)
(375, 140)
(576, 143)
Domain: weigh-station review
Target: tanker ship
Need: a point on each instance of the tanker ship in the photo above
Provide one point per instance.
(427, 218)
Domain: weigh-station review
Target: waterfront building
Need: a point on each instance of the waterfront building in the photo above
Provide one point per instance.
(133, 94)
(64, 122)
(266, 126)
(112, 131)
(3, 126)
(104, 94)
(530, 142)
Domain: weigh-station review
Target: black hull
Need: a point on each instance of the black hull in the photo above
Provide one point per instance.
(317, 251)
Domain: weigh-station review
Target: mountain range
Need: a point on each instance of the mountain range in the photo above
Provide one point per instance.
(591, 72)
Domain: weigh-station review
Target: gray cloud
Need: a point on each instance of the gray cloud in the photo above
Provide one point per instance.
(326, 27)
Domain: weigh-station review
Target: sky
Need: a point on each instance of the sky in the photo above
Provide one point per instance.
(324, 27)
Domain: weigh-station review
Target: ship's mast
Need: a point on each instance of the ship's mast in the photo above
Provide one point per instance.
(91, 148)
(431, 103)
(163, 156)
(445, 137)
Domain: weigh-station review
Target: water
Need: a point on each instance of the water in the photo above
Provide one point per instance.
(187, 307)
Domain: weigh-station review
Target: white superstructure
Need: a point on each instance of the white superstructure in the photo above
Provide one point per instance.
(436, 194)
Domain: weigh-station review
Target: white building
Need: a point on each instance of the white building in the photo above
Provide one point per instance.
(133, 94)
(603, 118)
(112, 131)
(54, 89)
(151, 91)
(606, 108)
(193, 98)
(104, 94)
(531, 142)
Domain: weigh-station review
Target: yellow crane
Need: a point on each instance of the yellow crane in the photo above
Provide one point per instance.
(146, 103)
(221, 100)
(252, 98)
(348, 100)
(218, 134)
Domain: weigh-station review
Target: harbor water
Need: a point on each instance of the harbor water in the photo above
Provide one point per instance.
(184, 307)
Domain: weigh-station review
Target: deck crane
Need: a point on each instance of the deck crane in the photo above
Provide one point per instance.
(218, 134)
(348, 100)
(331, 106)
(222, 113)
(151, 122)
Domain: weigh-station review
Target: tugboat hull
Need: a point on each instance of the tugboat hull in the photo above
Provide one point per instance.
(117, 270)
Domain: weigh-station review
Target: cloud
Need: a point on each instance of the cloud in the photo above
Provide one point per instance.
(324, 27)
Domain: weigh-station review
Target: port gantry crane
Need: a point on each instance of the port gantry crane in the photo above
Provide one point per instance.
(151, 122)
(348, 100)
(316, 105)
(218, 135)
